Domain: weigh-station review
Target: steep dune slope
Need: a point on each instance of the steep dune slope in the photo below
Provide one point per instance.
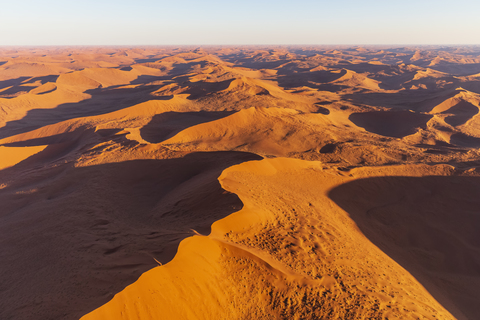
(273, 131)
(68, 89)
(353, 79)
(289, 253)
(97, 228)
(439, 245)
(10, 156)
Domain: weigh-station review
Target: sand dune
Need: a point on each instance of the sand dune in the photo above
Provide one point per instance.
(292, 250)
(108, 237)
(352, 79)
(44, 88)
(267, 131)
(16, 69)
(435, 247)
(301, 182)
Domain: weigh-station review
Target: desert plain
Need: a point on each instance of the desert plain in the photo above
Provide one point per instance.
(289, 182)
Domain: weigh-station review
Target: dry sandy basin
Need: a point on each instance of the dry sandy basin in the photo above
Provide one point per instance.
(240, 183)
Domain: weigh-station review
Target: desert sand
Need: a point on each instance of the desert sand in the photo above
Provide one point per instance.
(240, 182)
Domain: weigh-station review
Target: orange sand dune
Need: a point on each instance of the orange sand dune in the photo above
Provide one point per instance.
(103, 218)
(44, 88)
(282, 256)
(270, 131)
(68, 88)
(13, 69)
(352, 79)
(429, 73)
(130, 178)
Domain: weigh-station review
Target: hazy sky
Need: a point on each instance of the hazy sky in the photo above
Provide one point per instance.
(148, 22)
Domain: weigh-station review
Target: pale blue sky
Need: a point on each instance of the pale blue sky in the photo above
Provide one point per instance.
(177, 22)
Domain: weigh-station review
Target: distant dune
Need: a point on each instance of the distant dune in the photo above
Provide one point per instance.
(296, 182)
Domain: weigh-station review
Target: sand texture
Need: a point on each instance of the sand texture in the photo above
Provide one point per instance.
(240, 183)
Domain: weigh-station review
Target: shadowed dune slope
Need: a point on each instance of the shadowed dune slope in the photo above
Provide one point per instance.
(461, 113)
(98, 228)
(397, 124)
(427, 224)
(289, 253)
(167, 124)
(274, 131)
(10, 156)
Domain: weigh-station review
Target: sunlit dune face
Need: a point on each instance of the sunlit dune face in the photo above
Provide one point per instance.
(296, 182)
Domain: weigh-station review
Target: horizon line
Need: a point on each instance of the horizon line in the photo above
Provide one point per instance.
(233, 45)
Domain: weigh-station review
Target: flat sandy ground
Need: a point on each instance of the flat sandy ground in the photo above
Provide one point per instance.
(240, 183)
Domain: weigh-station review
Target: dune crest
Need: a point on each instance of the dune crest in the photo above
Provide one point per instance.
(10, 156)
(277, 257)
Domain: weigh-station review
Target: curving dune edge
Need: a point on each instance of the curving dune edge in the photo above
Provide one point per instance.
(290, 252)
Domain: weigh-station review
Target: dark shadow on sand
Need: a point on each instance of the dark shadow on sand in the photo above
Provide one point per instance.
(103, 100)
(397, 124)
(429, 225)
(165, 125)
(21, 85)
(71, 238)
(106, 100)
